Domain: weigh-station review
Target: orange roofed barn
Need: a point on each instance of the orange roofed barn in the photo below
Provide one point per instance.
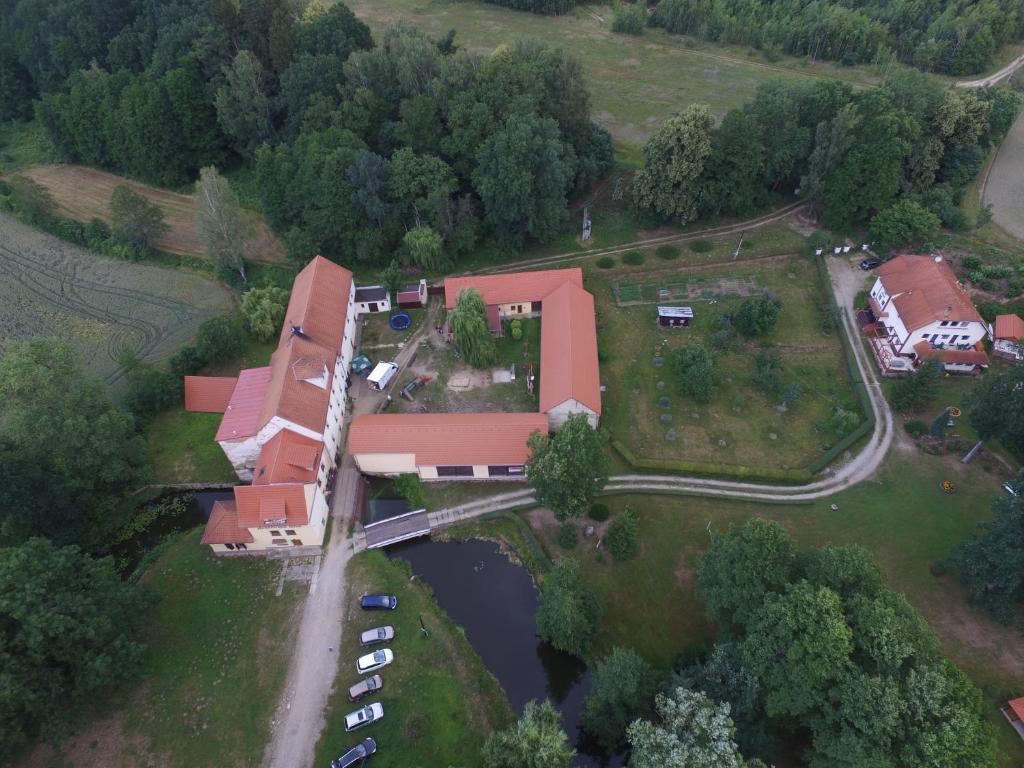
(493, 445)
(281, 427)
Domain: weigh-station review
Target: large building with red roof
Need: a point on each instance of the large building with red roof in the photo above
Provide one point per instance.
(442, 446)
(922, 312)
(281, 428)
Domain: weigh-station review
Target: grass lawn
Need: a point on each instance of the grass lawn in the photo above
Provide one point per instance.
(377, 333)
(903, 517)
(182, 448)
(634, 83)
(440, 702)
(741, 426)
(218, 642)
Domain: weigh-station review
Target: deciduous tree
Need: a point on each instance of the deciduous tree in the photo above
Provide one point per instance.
(567, 471)
(905, 221)
(223, 228)
(536, 740)
(136, 222)
(468, 322)
(622, 687)
(263, 310)
(243, 104)
(569, 612)
(694, 367)
(758, 316)
(995, 408)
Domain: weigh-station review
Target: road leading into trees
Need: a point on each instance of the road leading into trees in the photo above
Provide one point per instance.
(676, 237)
(846, 281)
(995, 77)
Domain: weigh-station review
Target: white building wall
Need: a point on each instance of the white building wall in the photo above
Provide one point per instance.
(558, 415)
(385, 463)
(939, 335)
(384, 305)
(242, 454)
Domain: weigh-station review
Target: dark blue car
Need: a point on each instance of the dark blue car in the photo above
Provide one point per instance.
(357, 754)
(378, 602)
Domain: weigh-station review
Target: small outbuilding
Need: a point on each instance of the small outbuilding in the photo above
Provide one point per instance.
(372, 298)
(413, 296)
(1007, 333)
(1014, 714)
(675, 317)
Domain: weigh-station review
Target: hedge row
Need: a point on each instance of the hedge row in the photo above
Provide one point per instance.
(714, 469)
(859, 386)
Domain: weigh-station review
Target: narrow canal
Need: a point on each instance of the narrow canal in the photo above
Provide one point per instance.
(495, 602)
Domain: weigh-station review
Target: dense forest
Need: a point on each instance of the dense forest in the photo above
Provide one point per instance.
(360, 150)
(895, 158)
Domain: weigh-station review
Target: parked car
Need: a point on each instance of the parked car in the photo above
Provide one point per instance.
(1011, 488)
(375, 660)
(870, 263)
(357, 754)
(371, 713)
(378, 602)
(365, 687)
(377, 635)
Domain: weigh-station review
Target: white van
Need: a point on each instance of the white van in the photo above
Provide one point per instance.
(381, 376)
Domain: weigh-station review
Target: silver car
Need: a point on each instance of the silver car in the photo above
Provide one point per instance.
(377, 635)
(371, 713)
(375, 660)
(365, 687)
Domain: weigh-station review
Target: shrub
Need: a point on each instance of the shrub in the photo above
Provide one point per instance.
(1014, 288)
(96, 233)
(667, 252)
(624, 535)
(758, 316)
(701, 246)
(629, 19)
(600, 513)
(605, 262)
(633, 257)
(829, 318)
(971, 263)
(517, 332)
(694, 367)
(220, 338)
(915, 427)
(768, 372)
(567, 536)
(791, 395)
(185, 362)
(410, 488)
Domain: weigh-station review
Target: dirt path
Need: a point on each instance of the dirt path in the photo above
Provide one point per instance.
(995, 77)
(313, 665)
(847, 280)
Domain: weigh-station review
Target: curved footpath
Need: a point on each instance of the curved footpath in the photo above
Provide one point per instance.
(994, 78)
(860, 467)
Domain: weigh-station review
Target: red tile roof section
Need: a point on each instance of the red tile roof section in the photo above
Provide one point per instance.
(300, 402)
(288, 457)
(926, 351)
(1017, 707)
(930, 291)
(242, 417)
(259, 503)
(1009, 327)
(319, 304)
(513, 287)
(448, 439)
(208, 394)
(223, 527)
(568, 350)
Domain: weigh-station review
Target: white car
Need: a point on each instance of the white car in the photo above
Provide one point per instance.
(371, 713)
(377, 635)
(375, 660)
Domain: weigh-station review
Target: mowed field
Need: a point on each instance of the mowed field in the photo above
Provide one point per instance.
(49, 287)
(1004, 188)
(83, 193)
(634, 82)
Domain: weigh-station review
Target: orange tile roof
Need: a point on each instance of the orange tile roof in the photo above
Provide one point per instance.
(223, 527)
(1017, 707)
(512, 287)
(242, 417)
(208, 394)
(926, 351)
(568, 350)
(448, 439)
(288, 457)
(288, 395)
(259, 503)
(319, 304)
(925, 291)
(1009, 327)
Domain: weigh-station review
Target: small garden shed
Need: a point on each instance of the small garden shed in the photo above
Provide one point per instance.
(675, 317)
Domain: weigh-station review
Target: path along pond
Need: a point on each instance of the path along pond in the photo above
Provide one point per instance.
(495, 602)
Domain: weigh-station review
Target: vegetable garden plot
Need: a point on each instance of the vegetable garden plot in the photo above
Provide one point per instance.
(102, 306)
(694, 289)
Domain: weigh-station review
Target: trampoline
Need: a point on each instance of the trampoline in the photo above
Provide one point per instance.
(400, 321)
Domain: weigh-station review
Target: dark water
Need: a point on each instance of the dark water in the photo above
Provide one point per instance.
(382, 501)
(495, 602)
(128, 554)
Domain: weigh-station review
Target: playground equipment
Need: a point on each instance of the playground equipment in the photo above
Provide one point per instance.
(400, 321)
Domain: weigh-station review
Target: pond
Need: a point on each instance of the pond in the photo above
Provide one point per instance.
(495, 602)
(129, 551)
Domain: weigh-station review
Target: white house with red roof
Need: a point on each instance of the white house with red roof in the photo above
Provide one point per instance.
(922, 312)
(281, 428)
